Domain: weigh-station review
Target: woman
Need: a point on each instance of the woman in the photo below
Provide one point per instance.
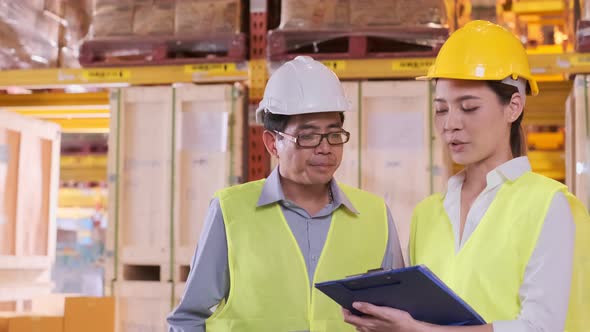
(501, 237)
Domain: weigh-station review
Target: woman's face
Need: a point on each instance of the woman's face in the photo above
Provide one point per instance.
(472, 121)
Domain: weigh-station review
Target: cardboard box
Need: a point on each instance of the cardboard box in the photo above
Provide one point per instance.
(385, 13)
(36, 324)
(89, 314)
(320, 14)
(112, 19)
(154, 18)
(202, 16)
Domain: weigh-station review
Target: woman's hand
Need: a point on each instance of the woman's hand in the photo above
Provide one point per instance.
(381, 319)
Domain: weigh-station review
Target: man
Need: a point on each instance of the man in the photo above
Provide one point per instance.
(265, 243)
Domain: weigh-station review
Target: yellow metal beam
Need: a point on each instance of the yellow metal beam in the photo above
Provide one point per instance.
(48, 78)
(90, 198)
(91, 125)
(67, 113)
(84, 168)
(380, 68)
(548, 67)
(53, 99)
(538, 7)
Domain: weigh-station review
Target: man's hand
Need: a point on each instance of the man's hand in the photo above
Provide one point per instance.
(381, 319)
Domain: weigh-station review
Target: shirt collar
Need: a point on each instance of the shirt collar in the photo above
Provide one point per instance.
(508, 171)
(272, 192)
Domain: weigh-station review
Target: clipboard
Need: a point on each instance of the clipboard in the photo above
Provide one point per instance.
(415, 290)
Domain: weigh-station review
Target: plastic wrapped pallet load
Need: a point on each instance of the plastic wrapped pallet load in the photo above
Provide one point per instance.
(153, 18)
(29, 38)
(112, 18)
(347, 14)
(202, 16)
(384, 13)
(310, 15)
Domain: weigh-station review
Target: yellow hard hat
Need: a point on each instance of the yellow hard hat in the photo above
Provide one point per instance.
(482, 50)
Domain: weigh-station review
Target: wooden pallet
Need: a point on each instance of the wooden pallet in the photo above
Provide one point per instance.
(142, 306)
(396, 150)
(29, 179)
(362, 43)
(142, 51)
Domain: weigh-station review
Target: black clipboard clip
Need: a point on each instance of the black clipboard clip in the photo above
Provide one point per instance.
(380, 269)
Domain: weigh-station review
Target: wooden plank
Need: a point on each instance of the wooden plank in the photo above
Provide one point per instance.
(396, 147)
(19, 123)
(51, 159)
(23, 291)
(113, 161)
(10, 147)
(178, 292)
(570, 130)
(32, 209)
(142, 306)
(209, 144)
(25, 263)
(582, 139)
(348, 172)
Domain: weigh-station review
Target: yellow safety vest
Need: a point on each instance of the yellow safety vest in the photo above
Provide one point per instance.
(488, 271)
(269, 284)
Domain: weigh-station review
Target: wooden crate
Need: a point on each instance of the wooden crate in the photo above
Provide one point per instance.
(210, 149)
(29, 179)
(178, 292)
(142, 306)
(401, 159)
(140, 178)
(348, 172)
(578, 145)
(173, 148)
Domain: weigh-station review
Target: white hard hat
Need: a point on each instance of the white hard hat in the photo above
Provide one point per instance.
(302, 86)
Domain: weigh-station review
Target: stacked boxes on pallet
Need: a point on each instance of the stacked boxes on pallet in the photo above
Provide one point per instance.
(138, 32)
(29, 179)
(172, 148)
(344, 29)
(42, 33)
(29, 38)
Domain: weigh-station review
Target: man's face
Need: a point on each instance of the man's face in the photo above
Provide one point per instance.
(313, 165)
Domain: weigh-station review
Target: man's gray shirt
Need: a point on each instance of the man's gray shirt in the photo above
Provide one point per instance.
(208, 281)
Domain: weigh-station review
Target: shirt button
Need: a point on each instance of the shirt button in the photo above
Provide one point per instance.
(314, 258)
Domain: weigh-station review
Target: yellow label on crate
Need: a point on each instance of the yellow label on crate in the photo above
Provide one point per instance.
(580, 60)
(106, 75)
(211, 68)
(412, 64)
(336, 66)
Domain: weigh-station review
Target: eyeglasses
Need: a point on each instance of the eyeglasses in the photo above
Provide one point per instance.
(314, 140)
